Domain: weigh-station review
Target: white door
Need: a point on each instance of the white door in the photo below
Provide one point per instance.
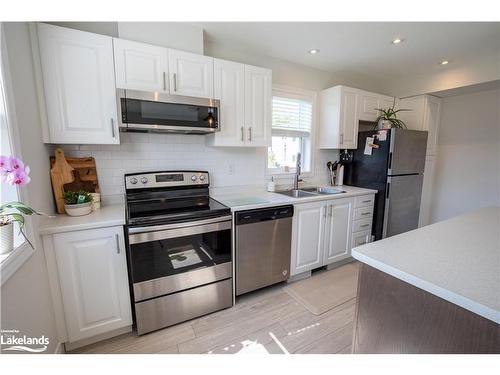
(93, 278)
(229, 88)
(368, 104)
(431, 122)
(191, 74)
(307, 237)
(140, 66)
(79, 84)
(258, 105)
(338, 230)
(425, 202)
(348, 119)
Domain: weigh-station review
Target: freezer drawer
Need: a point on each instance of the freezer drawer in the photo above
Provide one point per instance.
(402, 205)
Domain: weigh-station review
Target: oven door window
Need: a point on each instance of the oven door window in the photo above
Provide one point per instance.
(160, 258)
(170, 114)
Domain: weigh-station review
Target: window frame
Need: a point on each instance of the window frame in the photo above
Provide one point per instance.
(299, 94)
(13, 261)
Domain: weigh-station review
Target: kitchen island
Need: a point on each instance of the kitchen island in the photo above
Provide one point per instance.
(435, 289)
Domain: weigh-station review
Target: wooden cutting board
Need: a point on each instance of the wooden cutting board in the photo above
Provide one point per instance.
(72, 174)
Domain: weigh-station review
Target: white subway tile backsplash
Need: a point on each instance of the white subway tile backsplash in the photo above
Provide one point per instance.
(139, 152)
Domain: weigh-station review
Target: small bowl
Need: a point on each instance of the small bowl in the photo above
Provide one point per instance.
(78, 209)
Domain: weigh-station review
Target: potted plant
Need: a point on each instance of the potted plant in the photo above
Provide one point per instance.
(13, 172)
(77, 203)
(388, 118)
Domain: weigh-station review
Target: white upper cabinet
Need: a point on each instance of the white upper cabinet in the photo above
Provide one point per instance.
(93, 279)
(338, 230)
(258, 105)
(79, 86)
(424, 114)
(308, 237)
(191, 74)
(229, 88)
(339, 118)
(368, 104)
(140, 66)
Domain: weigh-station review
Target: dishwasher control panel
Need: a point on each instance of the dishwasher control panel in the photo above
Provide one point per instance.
(263, 214)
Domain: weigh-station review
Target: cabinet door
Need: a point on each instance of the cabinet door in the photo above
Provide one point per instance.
(338, 230)
(79, 84)
(425, 202)
(229, 81)
(431, 122)
(349, 119)
(191, 74)
(93, 278)
(414, 118)
(308, 237)
(140, 66)
(258, 103)
(385, 102)
(368, 104)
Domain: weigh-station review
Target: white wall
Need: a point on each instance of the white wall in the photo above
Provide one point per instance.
(468, 155)
(25, 297)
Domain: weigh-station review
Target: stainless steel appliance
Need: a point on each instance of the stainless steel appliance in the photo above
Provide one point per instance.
(178, 248)
(263, 247)
(143, 111)
(396, 170)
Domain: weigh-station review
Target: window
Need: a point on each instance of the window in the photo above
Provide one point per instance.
(9, 145)
(292, 130)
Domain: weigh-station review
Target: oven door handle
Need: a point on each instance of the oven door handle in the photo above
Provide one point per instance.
(163, 232)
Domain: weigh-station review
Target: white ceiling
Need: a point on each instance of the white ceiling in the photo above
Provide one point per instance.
(366, 48)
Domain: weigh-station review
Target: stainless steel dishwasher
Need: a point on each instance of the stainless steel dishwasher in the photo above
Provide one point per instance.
(263, 247)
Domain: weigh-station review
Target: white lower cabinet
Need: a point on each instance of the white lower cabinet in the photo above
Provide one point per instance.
(324, 232)
(338, 232)
(89, 276)
(308, 236)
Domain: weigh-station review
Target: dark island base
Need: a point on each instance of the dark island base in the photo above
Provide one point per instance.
(395, 317)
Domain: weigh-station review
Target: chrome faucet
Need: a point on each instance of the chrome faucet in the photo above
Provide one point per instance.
(297, 172)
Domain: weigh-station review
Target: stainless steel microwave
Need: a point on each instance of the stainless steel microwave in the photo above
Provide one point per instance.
(143, 111)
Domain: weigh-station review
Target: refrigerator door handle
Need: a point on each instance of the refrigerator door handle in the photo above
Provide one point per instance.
(387, 190)
(390, 161)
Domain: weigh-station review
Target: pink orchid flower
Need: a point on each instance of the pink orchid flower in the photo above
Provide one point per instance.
(19, 178)
(16, 164)
(4, 164)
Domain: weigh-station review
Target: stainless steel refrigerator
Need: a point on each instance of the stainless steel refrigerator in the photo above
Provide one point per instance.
(396, 170)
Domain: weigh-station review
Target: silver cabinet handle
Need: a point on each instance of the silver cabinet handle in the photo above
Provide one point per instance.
(326, 210)
(331, 211)
(341, 138)
(364, 225)
(242, 134)
(250, 133)
(113, 127)
(365, 213)
(368, 201)
(175, 82)
(164, 81)
(117, 237)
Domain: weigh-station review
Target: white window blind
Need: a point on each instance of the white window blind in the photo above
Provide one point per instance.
(291, 117)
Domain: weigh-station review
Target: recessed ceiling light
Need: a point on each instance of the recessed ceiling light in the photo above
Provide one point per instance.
(444, 62)
(397, 41)
(313, 51)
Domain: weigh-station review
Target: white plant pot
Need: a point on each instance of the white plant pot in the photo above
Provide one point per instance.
(384, 124)
(78, 209)
(6, 238)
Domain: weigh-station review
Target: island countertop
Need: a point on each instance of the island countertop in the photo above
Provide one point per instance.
(456, 259)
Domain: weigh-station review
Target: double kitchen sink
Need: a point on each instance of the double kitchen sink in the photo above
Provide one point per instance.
(310, 192)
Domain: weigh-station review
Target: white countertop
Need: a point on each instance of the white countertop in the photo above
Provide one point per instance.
(107, 216)
(259, 198)
(456, 259)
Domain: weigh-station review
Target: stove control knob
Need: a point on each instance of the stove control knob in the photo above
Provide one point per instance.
(133, 180)
(144, 180)
(194, 178)
(202, 177)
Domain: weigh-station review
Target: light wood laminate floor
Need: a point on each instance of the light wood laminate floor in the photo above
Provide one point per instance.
(266, 321)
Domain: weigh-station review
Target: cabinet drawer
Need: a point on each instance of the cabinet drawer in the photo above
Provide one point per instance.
(360, 238)
(363, 213)
(364, 201)
(362, 224)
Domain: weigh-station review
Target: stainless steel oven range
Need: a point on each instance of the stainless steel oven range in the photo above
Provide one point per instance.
(179, 248)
